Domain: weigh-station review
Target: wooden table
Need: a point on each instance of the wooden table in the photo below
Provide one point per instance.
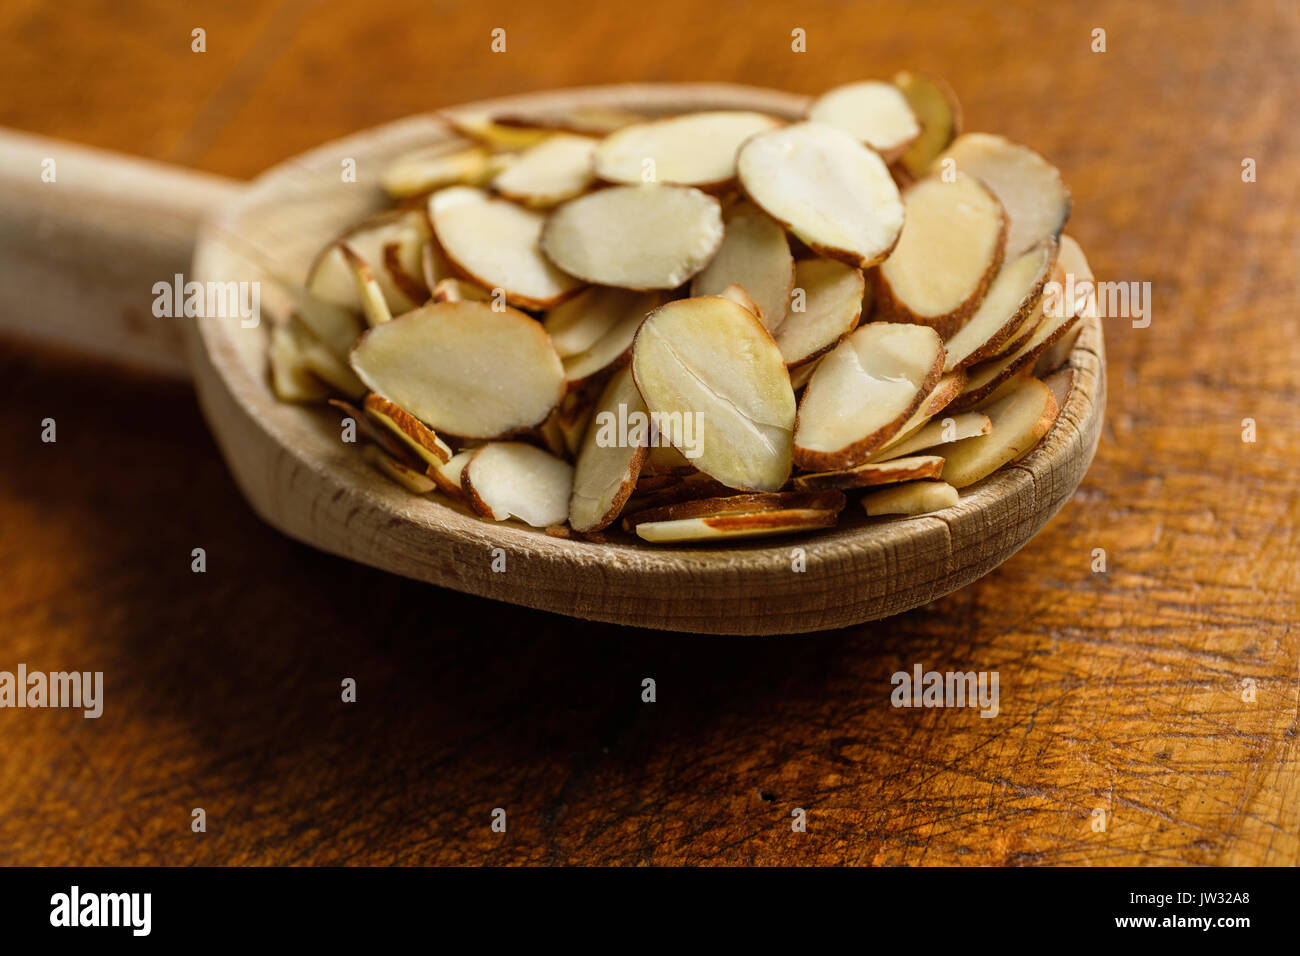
(1121, 691)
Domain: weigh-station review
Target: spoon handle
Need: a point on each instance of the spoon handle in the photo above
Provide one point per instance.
(84, 236)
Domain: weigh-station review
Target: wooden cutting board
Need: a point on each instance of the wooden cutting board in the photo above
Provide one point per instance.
(1120, 691)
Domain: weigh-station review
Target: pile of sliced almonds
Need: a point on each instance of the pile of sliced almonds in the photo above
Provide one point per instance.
(855, 302)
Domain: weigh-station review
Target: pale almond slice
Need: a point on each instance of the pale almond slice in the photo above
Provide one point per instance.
(324, 364)
(330, 280)
(373, 305)
(578, 324)
(715, 379)
(1010, 300)
(936, 432)
(984, 379)
(755, 255)
(697, 149)
(463, 368)
(871, 473)
(291, 379)
(400, 472)
(913, 498)
(1021, 416)
(416, 435)
(614, 347)
(434, 267)
(399, 261)
(832, 192)
(336, 328)
(579, 120)
(487, 130)
(937, 109)
(495, 243)
(635, 237)
(1029, 187)
(738, 295)
(555, 170)
(459, 290)
(824, 500)
(666, 460)
(447, 477)
(873, 112)
(948, 253)
(1075, 274)
(800, 375)
(609, 461)
(762, 524)
(828, 309)
(863, 392)
(434, 167)
(941, 396)
(510, 479)
(1060, 382)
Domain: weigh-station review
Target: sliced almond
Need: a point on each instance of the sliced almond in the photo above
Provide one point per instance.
(578, 324)
(761, 524)
(939, 113)
(1074, 272)
(1010, 300)
(399, 261)
(913, 498)
(447, 477)
(1060, 382)
(832, 192)
(555, 170)
(875, 113)
(324, 364)
(510, 479)
(331, 280)
(609, 463)
(871, 473)
(291, 379)
(824, 500)
(434, 267)
(399, 471)
(666, 460)
(613, 348)
(580, 120)
(1021, 417)
(336, 328)
(1022, 333)
(825, 306)
(485, 129)
(458, 290)
(463, 368)
(755, 255)
(495, 243)
(863, 392)
(936, 432)
(1029, 187)
(635, 237)
(948, 253)
(410, 430)
(373, 305)
(434, 167)
(697, 149)
(376, 433)
(710, 371)
(738, 295)
(945, 391)
(800, 375)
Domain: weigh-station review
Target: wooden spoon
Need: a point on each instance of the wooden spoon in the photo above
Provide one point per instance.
(78, 261)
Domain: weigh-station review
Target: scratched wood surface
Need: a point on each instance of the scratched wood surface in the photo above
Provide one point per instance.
(1120, 691)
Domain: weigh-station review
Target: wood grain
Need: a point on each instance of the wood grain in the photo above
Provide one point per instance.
(1120, 691)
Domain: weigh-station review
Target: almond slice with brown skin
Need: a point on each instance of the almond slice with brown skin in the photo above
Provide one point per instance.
(578, 324)
(1030, 188)
(1060, 382)
(483, 128)
(495, 243)
(913, 498)
(1010, 300)
(825, 305)
(876, 113)
(336, 328)
(1021, 416)
(609, 463)
(447, 477)
(291, 379)
(871, 473)
(1072, 270)
(434, 167)
(635, 237)
(373, 305)
(614, 347)
(756, 524)
(463, 368)
(937, 109)
(416, 435)
(553, 171)
(579, 120)
(715, 380)
(324, 364)
(824, 500)
(399, 471)
(509, 479)
(948, 253)
(755, 255)
(941, 396)
(367, 425)
(331, 280)
(863, 392)
(828, 189)
(696, 149)
(938, 432)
